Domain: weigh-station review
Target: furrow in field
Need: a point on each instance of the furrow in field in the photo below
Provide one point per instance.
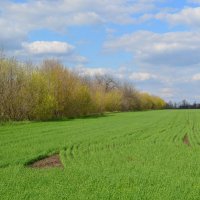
(191, 126)
(198, 131)
(163, 132)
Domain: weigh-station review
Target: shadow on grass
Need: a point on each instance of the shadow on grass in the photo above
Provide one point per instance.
(61, 119)
(94, 116)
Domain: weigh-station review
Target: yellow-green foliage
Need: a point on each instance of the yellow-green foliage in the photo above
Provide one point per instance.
(113, 100)
(51, 91)
(41, 100)
(98, 97)
(151, 102)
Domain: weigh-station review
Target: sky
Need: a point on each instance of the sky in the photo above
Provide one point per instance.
(155, 44)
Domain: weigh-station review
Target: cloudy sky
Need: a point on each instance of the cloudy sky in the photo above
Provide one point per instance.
(153, 43)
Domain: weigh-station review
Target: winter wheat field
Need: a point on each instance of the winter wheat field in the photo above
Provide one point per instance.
(137, 155)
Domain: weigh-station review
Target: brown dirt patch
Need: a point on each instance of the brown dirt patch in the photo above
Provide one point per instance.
(48, 162)
(186, 140)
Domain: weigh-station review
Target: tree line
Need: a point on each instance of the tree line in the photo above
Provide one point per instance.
(184, 104)
(52, 91)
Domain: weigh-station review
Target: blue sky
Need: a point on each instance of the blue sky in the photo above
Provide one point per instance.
(153, 43)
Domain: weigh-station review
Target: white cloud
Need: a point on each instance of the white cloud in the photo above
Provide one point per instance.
(11, 36)
(194, 1)
(141, 76)
(117, 73)
(17, 20)
(189, 16)
(48, 47)
(58, 13)
(86, 71)
(151, 51)
(196, 77)
(175, 88)
(41, 50)
(167, 49)
(166, 93)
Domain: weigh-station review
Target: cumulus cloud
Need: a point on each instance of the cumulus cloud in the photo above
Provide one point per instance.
(166, 93)
(141, 76)
(34, 14)
(40, 50)
(45, 47)
(17, 20)
(167, 49)
(157, 57)
(189, 16)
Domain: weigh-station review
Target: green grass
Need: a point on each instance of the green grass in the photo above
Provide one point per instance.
(119, 156)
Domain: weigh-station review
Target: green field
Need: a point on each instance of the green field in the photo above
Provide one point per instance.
(139, 155)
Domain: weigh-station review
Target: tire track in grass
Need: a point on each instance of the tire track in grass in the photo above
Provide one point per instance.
(198, 131)
(163, 133)
(150, 132)
(195, 129)
(66, 155)
(191, 124)
(177, 131)
(90, 148)
(189, 132)
(172, 131)
(182, 130)
(179, 134)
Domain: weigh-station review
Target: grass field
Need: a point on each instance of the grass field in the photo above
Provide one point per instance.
(142, 155)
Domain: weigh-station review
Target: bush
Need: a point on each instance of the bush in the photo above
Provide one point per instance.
(51, 91)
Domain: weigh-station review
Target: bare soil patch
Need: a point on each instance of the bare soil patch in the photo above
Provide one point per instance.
(48, 162)
(186, 140)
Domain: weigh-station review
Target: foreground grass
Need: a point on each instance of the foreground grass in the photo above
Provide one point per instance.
(119, 156)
